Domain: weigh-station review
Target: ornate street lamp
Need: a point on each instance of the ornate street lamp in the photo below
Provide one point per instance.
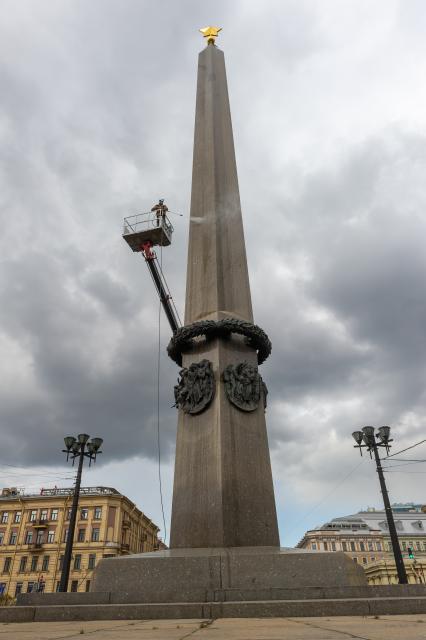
(372, 442)
(80, 447)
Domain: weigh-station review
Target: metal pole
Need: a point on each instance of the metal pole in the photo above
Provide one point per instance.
(399, 562)
(63, 585)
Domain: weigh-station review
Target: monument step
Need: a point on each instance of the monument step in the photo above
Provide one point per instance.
(315, 593)
(228, 595)
(209, 610)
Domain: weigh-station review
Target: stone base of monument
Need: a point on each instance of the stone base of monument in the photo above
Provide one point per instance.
(217, 583)
(197, 575)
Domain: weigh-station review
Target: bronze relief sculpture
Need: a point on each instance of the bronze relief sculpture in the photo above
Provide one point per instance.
(195, 388)
(244, 386)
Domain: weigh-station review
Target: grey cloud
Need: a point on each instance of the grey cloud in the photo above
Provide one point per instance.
(97, 122)
(348, 316)
(113, 295)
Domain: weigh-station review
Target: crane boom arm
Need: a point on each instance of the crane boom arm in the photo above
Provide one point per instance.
(161, 285)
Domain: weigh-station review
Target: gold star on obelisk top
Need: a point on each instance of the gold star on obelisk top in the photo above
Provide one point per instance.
(210, 33)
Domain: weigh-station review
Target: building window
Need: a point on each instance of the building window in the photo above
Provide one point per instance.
(4, 517)
(18, 516)
(372, 559)
(325, 546)
(30, 587)
(84, 513)
(65, 535)
(364, 561)
(98, 513)
(39, 537)
(362, 546)
(355, 559)
(13, 537)
(18, 588)
(23, 564)
(68, 514)
(51, 536)
(379, 546)
(404, 546)
(54, 514)
(34, 563)
(45, 563)
(43, 515)
(352, 545)
(81, 535)
(333, 546)
(418, 545)
(77, 561)
(344, 546)
(95, 534)
(3, 588)
(41, 586)
(61, 562)
(74, 585)
(314, 546)
(87, 585)
(370, 545)
(7, 563)
(92, 561)
(28, 537)
(1, 537)
(33, 515)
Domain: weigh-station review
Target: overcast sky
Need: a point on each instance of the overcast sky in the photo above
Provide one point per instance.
(97, 105)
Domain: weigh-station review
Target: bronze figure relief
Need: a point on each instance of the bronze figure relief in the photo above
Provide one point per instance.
(244, 386)
(196, 387)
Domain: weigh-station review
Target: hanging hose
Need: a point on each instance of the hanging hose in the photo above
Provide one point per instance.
(158, 409)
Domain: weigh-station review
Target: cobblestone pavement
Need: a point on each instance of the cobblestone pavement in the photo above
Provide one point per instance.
(341, 628)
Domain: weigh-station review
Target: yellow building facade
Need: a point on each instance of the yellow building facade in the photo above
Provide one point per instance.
(385, 572)
(34, 530)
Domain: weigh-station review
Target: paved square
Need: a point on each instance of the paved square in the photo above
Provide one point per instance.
(341, 628)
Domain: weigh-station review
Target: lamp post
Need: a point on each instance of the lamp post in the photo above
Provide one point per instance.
(369, 438)
(80, 448)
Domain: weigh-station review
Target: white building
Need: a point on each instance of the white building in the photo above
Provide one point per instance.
(364, 536)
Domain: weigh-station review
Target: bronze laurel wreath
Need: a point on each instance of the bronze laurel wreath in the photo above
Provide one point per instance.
(182, 339)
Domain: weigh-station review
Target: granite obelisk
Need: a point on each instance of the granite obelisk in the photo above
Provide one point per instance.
(224, 539)
(223, 492)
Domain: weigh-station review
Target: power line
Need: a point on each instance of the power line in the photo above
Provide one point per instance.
(402, 450)
(336, 486)
(12, 474)
(17, 466)
(406, 472)
(407, 464)
(30, 472)
(408, 459)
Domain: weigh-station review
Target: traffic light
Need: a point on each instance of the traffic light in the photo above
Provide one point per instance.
(410, 552)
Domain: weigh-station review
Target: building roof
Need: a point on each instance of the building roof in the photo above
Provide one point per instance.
(406, 522)
(9, 493)
(13, 493)
(410, 520)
